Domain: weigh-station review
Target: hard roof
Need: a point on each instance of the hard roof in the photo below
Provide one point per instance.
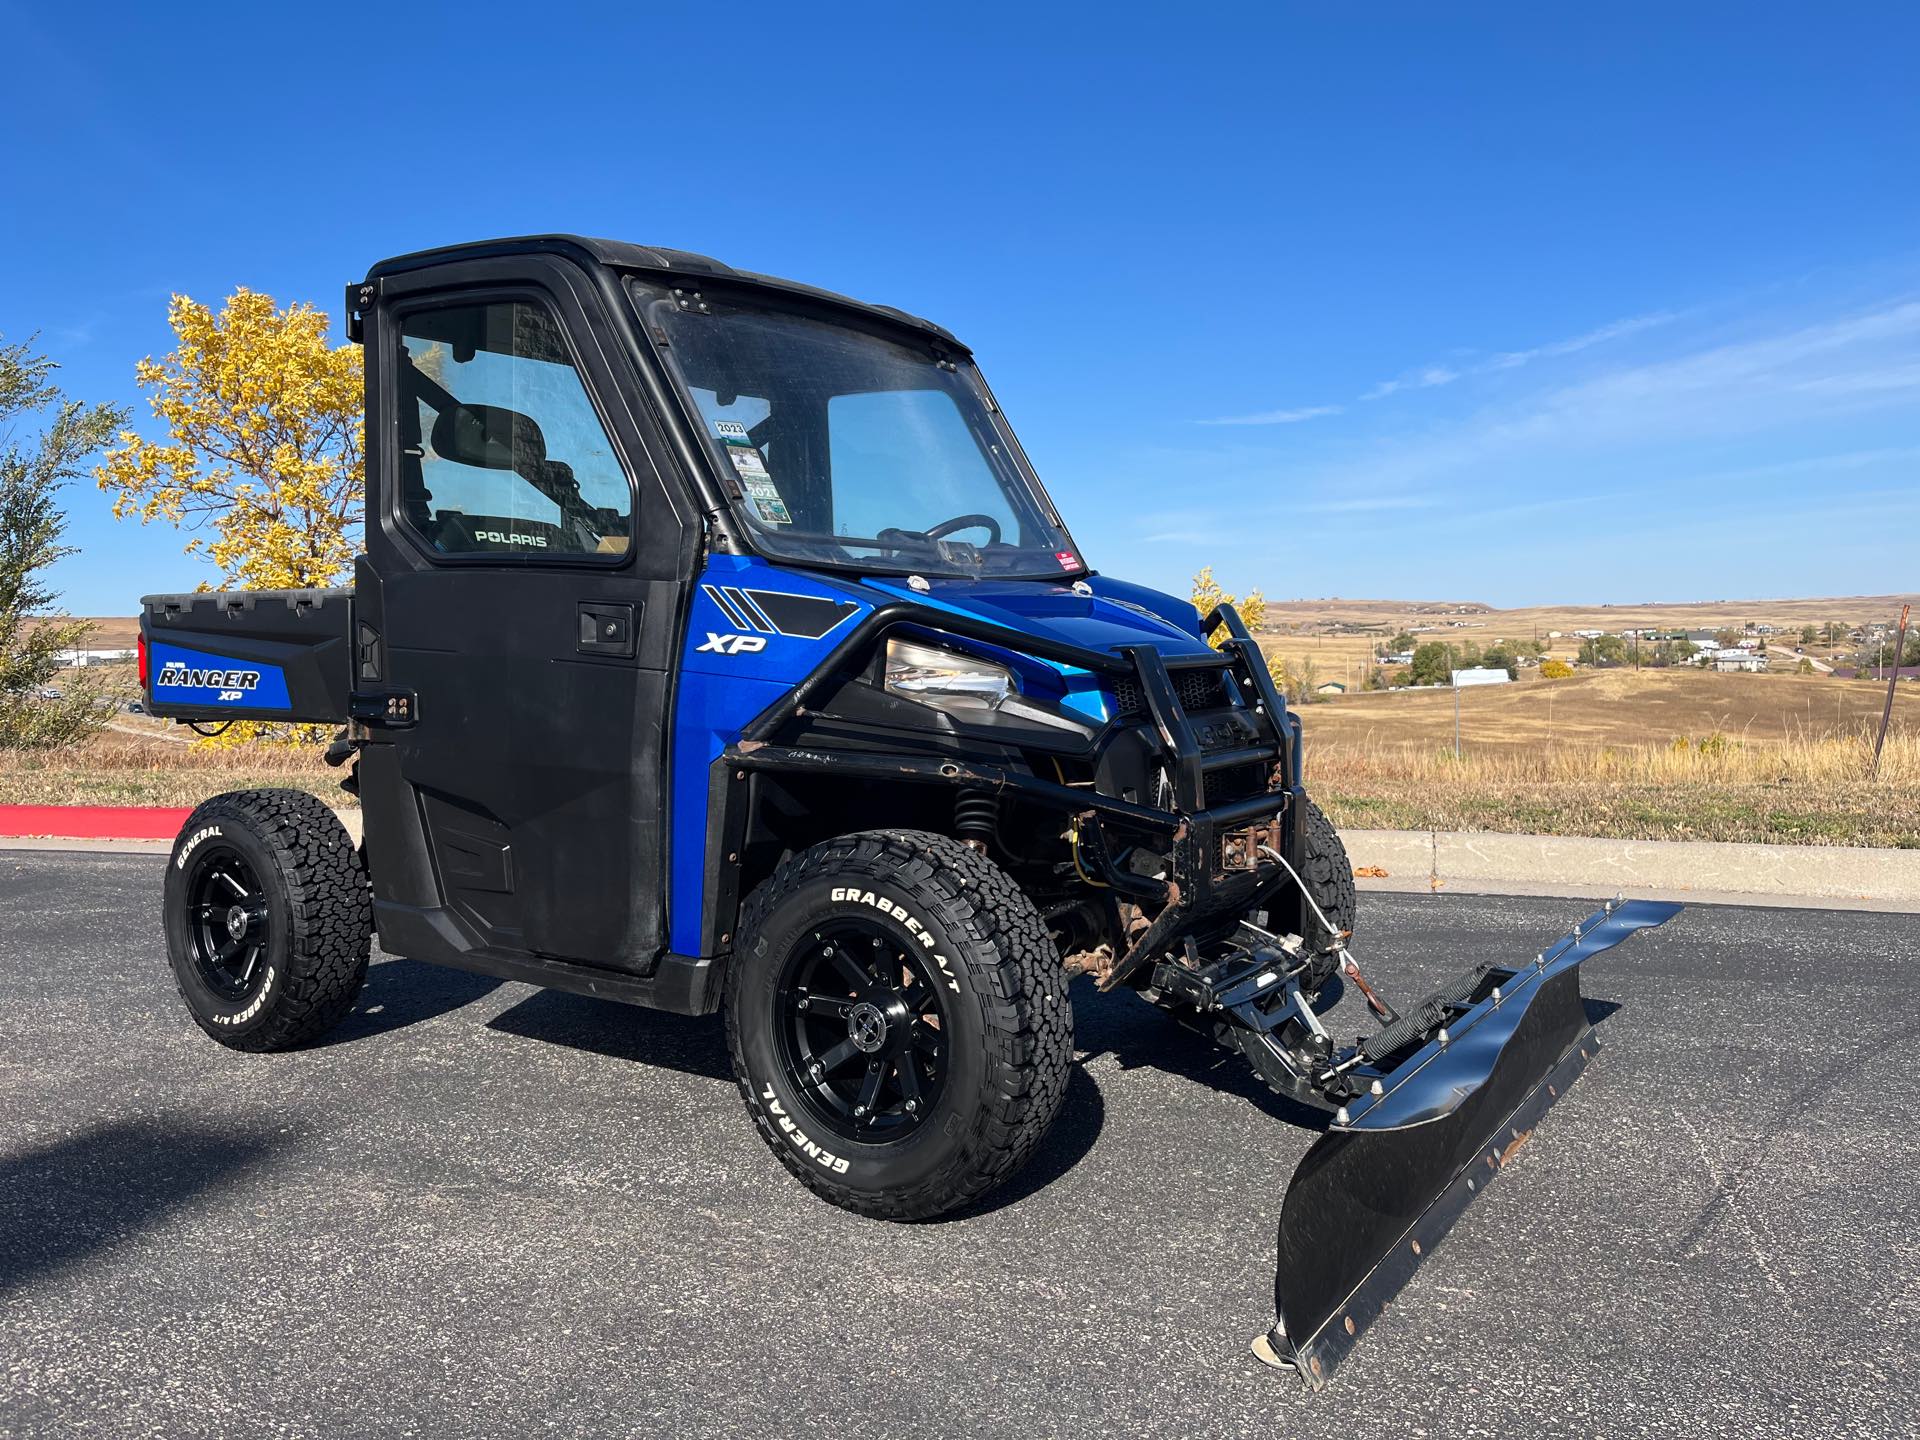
(623, 255)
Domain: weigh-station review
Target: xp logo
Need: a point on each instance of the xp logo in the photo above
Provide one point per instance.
(733, 644)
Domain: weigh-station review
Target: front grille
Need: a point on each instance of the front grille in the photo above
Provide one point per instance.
(1236, 782)
(1197, 689)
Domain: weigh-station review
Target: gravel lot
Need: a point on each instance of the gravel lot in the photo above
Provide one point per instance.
(487, 1210)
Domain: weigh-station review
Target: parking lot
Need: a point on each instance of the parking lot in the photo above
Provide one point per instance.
(486, 1210)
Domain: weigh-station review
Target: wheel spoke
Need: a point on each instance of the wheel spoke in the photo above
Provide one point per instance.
(838, 1056)
(852, 971)
(909, 1079)
(926, 1038)
(253, 959)
(226, 951)
(869, 1091)
(836, 1005)
(238, 888)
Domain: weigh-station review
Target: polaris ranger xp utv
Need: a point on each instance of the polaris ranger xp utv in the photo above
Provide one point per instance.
(715, 647)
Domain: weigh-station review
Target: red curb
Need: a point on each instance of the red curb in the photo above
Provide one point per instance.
(92, 822)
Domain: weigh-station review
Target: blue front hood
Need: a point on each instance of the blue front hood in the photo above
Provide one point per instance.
(1115, 614)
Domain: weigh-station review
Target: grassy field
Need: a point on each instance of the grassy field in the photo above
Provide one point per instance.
(1658, 755)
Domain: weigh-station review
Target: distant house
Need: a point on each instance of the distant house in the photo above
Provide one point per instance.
(1737, 659)
(1405, 657)
(1330, 687)
(1480, 676)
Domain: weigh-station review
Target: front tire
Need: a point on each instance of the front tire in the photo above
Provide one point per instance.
(269, 919)
(1328, 872)
(899, 1022)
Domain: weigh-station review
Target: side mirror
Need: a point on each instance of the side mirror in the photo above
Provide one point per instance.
(489, 437)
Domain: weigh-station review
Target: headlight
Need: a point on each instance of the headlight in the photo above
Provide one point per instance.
(947, 681)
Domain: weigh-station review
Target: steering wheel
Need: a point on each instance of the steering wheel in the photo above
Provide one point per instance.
(965, 522)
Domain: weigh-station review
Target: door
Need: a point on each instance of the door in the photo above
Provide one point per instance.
(526, 569)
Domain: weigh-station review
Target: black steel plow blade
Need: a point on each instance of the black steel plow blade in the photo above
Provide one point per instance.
(1366, 1206)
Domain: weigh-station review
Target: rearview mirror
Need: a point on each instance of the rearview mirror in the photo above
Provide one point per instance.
(490, 437)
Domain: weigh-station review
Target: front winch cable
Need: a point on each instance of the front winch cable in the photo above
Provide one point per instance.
(1348, 966)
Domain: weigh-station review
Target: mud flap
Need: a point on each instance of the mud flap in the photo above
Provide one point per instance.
(1369, 1203)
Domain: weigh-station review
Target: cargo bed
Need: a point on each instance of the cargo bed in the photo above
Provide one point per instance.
(248, 655)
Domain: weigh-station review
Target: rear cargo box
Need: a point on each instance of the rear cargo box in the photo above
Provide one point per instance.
(249, 655)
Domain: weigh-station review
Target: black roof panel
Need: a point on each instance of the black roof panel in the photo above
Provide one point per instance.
(623, 255)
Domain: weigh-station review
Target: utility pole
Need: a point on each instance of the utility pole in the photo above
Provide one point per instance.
(1893, 678)
(1456, 719)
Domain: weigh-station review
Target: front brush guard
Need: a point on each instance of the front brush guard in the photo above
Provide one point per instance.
(1378, 1190)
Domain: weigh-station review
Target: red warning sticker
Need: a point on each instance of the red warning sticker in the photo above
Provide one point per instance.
(1068, 560)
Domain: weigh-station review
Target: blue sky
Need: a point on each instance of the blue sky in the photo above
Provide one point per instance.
(1510, 303)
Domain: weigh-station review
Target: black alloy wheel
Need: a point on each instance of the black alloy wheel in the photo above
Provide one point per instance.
(862, 1032)
(228, 922)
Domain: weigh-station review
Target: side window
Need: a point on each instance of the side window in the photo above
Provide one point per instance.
(501, 449)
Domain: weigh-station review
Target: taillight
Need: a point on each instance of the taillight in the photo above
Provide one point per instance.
(140, 647)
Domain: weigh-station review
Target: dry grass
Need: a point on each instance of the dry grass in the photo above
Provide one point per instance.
(1806, 790)
(1597, 708)
(151, 768)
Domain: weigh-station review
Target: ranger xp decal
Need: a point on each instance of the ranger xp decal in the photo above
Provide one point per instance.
(177, 674)
(187, 677)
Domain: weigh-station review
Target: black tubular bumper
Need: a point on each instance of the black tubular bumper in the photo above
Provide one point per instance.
(1217, 853)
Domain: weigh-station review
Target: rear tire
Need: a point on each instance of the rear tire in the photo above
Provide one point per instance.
(899, 1022)
(1328, 872)
(269, 919)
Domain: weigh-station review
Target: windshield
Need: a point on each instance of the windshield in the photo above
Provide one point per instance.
(843, 446)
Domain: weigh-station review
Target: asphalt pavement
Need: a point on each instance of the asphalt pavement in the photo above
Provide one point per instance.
(482, 1209)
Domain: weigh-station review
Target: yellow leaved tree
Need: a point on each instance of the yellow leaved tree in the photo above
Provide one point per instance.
(1207, 594)
(265, 443)
(264, 452)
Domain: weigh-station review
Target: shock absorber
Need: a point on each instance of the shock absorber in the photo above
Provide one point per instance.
(976, 818)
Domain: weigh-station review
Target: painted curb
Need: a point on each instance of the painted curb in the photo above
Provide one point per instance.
(1570, 865)
(92, 822)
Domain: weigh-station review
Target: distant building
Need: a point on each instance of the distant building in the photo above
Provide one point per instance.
(1737, 659)
(1405, 657)
(94, 655)
(1480, 676)
(1330, 687)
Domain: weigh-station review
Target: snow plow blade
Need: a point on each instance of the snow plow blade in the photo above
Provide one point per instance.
(1378, 1190)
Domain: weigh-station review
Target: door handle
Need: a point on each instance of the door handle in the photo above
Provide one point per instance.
(607, 628)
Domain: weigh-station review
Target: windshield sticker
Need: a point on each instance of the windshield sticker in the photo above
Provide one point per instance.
(732, 431)
(748, 463)
(773, 511)
(1067, 559)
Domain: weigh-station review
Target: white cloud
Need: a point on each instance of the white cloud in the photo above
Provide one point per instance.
(1277, 417)
(1514, 359)
(1425, 378)
(1742, 390)
(1365, 504)
(1429, 377)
